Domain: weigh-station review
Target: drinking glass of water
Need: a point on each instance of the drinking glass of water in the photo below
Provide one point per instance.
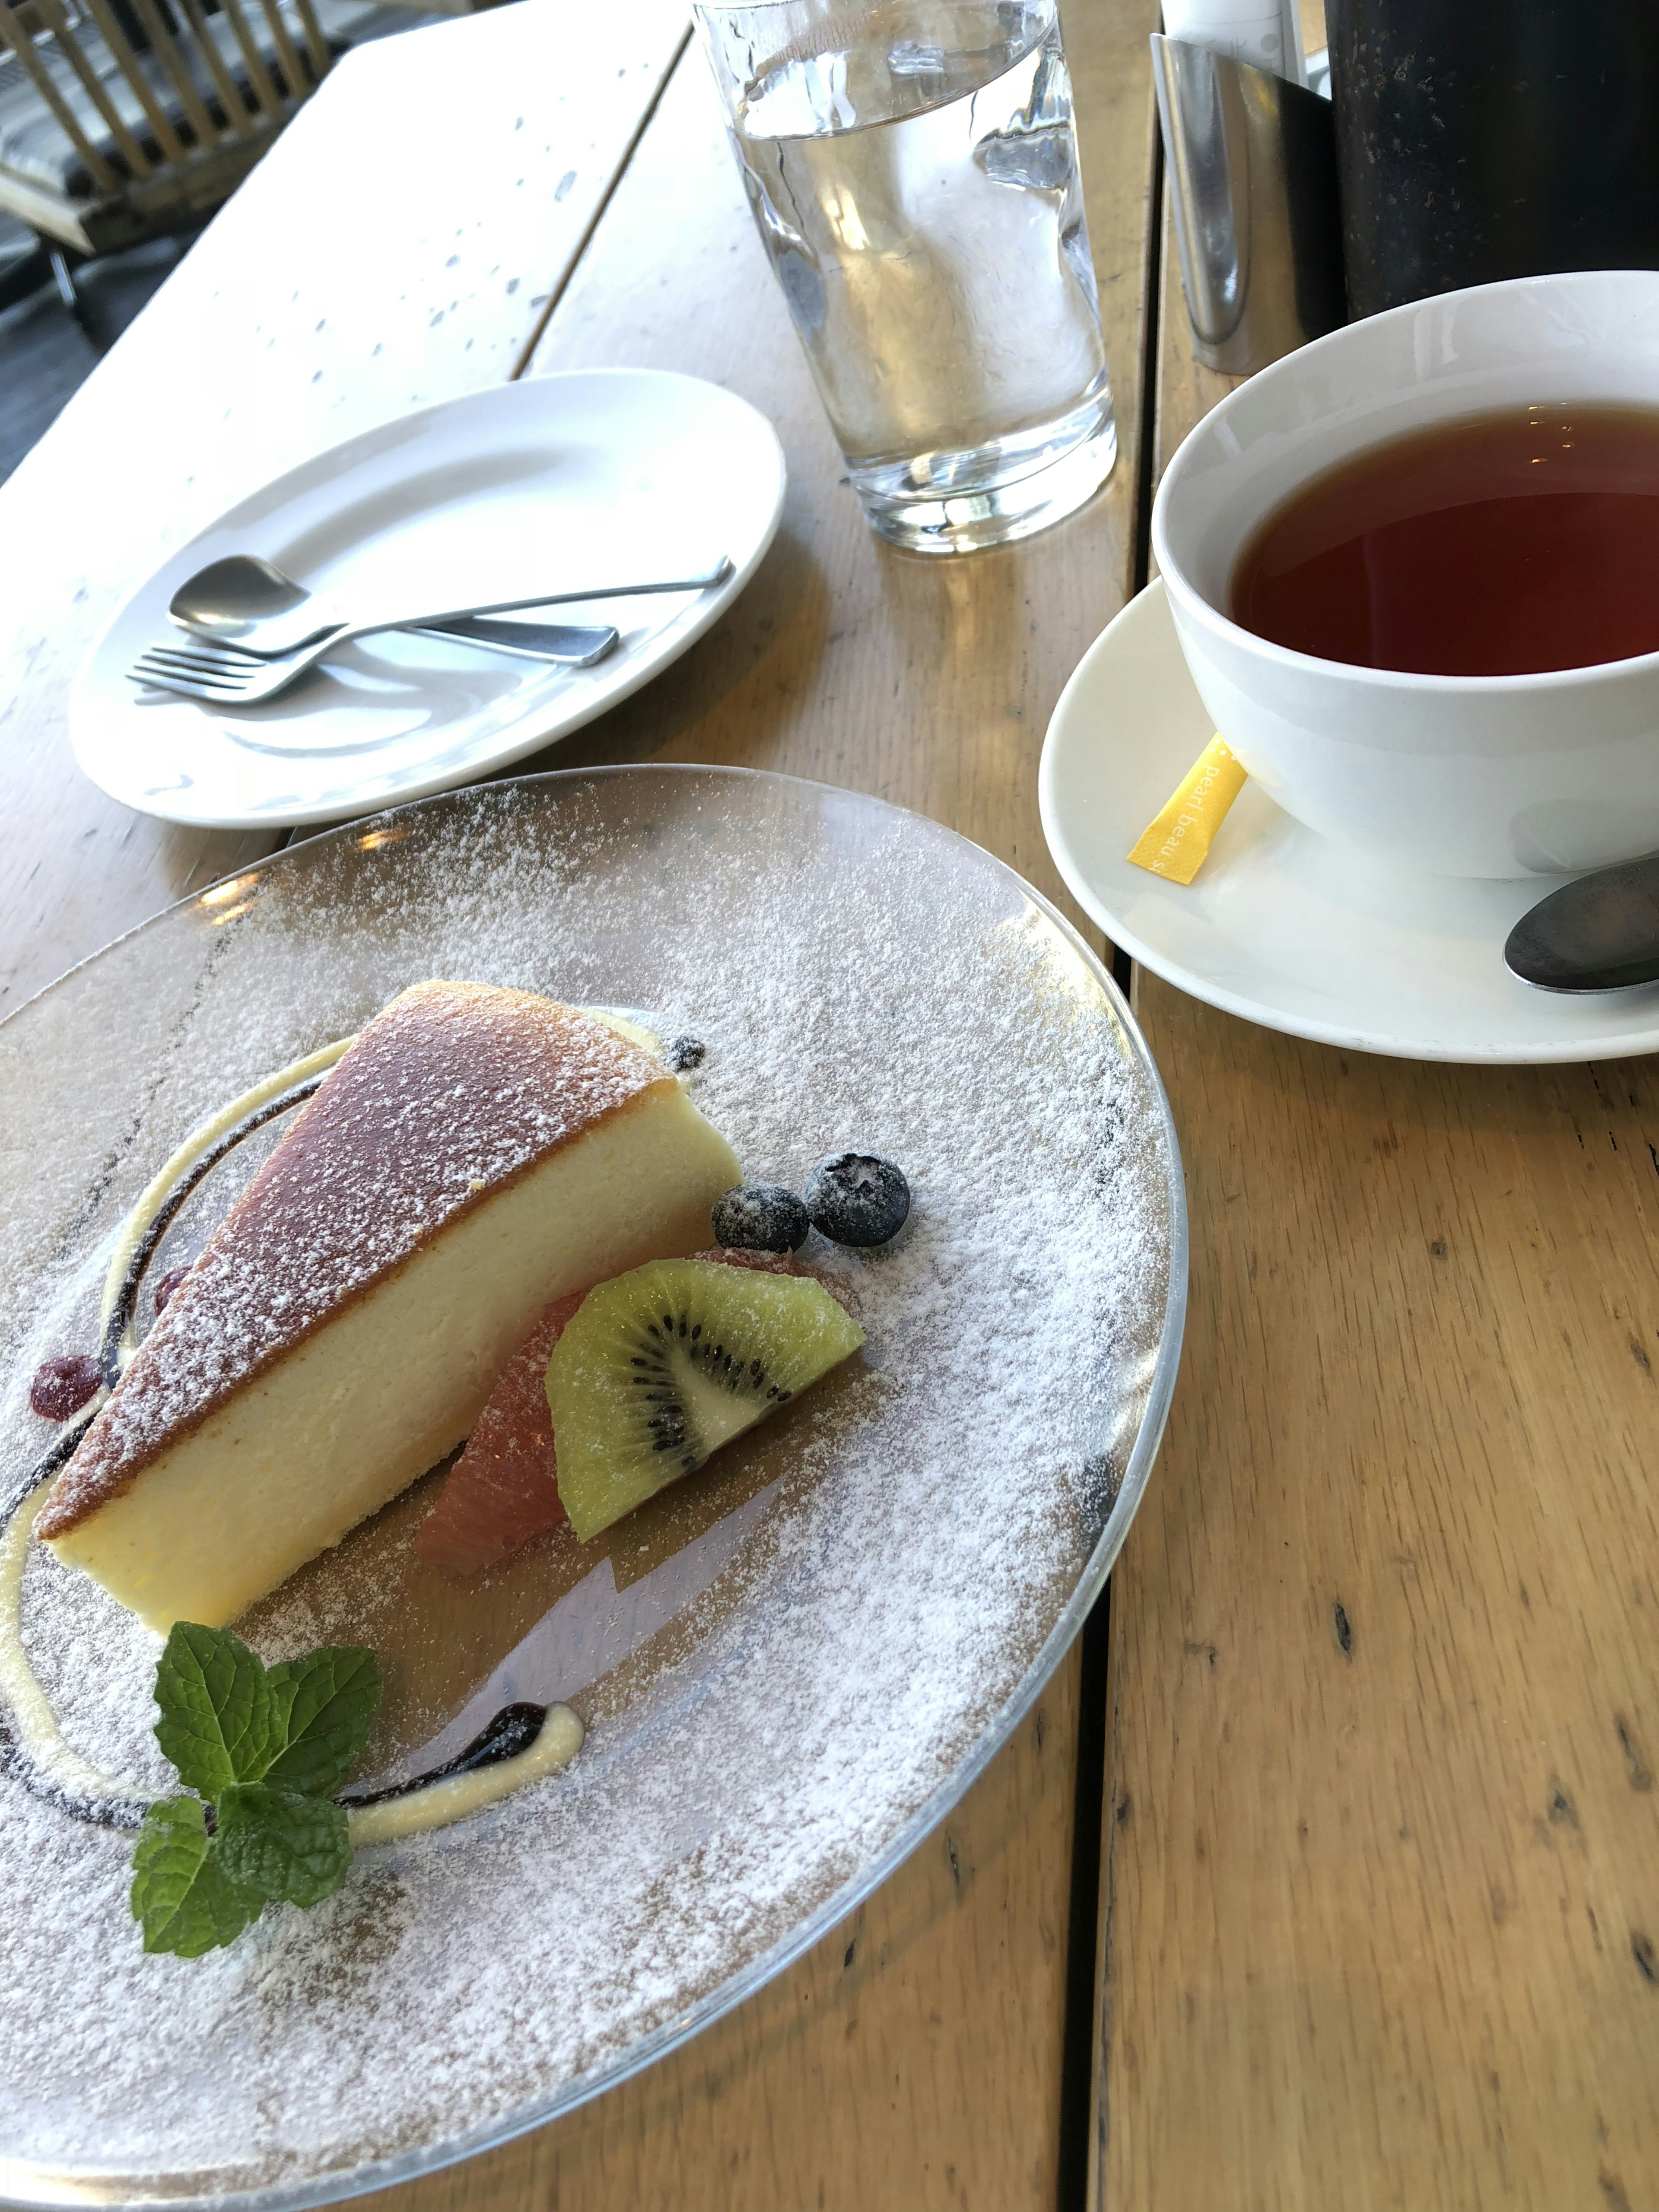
(913, 174)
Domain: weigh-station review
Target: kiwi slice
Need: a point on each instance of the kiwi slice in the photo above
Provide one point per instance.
(663, 1365)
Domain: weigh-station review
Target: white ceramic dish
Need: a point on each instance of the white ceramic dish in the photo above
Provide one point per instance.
(789, 1667)
(602, 476)
(1502, 775)
(1284, 927)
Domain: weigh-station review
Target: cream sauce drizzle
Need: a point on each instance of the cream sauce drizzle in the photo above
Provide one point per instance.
(459, 1795)
(40, 1737)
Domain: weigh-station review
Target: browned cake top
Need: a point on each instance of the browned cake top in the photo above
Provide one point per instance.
(453, 1091)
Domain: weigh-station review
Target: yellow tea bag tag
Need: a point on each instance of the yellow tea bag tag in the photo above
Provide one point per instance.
(1176, 844)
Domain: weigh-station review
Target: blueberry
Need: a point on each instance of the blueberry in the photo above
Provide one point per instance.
(857, 1198)
(760, 1217)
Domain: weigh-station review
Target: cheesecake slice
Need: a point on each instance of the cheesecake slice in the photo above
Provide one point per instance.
(476, 1154)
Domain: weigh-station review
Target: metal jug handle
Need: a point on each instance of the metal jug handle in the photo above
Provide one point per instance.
(1253, 186)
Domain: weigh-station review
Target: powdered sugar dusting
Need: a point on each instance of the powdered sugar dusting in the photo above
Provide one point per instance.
(451, 1091)
(861, 978)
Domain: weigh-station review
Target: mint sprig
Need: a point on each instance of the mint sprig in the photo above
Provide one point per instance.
(264, 1748)
(322, 1706)
(217, 1717)
(180, 1890)
(292, 1850)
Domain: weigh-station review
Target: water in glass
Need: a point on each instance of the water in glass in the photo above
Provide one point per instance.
(913, 174)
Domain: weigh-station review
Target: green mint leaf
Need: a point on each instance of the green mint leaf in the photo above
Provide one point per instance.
(266, 1748)
(218, 1723)
(181, 1892)
(285, 1847)
(324, 1706)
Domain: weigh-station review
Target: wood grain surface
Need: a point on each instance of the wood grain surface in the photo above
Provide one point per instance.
(1380, 1908)
(401, 244)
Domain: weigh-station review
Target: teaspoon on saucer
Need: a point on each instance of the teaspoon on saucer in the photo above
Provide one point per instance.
(1598, 933)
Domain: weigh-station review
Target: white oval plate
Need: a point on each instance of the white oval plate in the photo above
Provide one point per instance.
(599, 477)
(1282, 926)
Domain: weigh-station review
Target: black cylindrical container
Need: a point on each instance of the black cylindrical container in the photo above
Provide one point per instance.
(1479, 139)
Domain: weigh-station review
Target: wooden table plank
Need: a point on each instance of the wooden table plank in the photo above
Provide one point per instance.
(399, 246)
(1381, 1914)
(913, 2059)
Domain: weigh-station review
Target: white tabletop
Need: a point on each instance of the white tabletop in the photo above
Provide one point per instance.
(401, 243)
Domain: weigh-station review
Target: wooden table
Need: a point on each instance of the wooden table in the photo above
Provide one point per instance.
(1380, 1900)
(1324, 1873)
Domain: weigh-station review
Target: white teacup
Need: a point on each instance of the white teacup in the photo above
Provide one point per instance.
(1464, 775)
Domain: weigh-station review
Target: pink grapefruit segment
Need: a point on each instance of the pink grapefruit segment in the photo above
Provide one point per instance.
(504, 1488)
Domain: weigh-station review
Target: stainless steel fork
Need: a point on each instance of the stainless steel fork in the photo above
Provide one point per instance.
(224, 675)
(229, 676)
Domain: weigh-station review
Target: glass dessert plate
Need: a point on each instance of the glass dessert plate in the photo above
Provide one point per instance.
(791, 1665)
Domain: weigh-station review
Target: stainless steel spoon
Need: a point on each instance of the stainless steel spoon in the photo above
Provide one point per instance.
(1600, 934)
(216, 602)
(242, 598)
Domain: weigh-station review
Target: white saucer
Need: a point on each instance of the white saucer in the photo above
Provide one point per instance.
(601, 477)
(1279, 926)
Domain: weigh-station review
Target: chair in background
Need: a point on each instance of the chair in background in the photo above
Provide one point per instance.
(123, 119)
